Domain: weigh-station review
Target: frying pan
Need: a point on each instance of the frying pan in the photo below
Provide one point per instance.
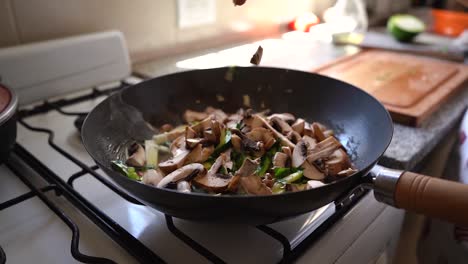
(360, 122)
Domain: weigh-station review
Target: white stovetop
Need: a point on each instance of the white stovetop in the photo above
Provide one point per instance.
(39, 229)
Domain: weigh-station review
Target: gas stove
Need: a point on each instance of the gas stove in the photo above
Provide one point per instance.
(57, 206)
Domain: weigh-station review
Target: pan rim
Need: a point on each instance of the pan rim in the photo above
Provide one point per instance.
(239, 197)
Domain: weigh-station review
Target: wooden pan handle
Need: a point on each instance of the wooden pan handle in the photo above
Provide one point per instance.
(433, 197)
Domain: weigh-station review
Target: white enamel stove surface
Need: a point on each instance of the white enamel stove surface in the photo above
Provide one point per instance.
(232, 243)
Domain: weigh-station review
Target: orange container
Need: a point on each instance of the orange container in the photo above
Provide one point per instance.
(449, 23)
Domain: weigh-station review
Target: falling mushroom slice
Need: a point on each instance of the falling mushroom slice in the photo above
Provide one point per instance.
(184, 172)
(257, 57)
(239, 2)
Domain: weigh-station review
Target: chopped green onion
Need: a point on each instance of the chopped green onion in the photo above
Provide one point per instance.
(292, 177)
(130, 172)
(224, 143)
(283, 172)
(278, 188)
(151, 151)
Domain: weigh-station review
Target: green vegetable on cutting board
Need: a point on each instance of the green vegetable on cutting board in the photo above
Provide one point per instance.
(405, 27)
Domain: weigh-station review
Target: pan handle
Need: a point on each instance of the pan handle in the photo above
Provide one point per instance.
(427, 195)
(434, 197)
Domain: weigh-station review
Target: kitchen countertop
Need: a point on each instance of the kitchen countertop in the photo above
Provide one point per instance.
(409, 145)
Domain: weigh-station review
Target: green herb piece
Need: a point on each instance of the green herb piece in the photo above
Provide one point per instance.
(283, 172)
(130, 172)
(291, 177)
(278, 188)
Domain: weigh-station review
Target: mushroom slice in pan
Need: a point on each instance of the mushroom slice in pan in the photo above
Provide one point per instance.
(253, 121)
(347, 172)
(308, 130)
(294, 136)
(287, 151)
(199, 154)
(213, 181)
(311, 172)
(318, 131)
(236, 142)
(218, 114)
(137, 157)
(299, 154)
(247, 168)
(323, 149)
(298, 126)
(178, 146)
(192, 116)
(202, 125)
(253, 184)
(283, 139)
(184, 186)
(185, 172)
(280, 159)
(337, 162)
(286, 117)
(282, 125)
(262, 134)
(176, 162)
(312, 184)
(152, 177)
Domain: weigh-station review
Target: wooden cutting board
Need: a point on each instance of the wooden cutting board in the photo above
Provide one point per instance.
(410, 87)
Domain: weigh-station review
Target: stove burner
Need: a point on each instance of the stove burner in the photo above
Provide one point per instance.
(79, 122)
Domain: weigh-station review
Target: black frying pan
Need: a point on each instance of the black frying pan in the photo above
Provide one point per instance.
(360, 122)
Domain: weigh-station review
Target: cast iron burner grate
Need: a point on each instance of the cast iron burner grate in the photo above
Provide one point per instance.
(128, 242)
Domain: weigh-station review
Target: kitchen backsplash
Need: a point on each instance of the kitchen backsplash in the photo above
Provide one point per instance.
(150, 26)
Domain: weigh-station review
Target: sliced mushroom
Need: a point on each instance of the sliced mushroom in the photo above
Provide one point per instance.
(299, 154)
(185, 172)
(248, 144)
(199, 154)
(286, 117)
(283, 139)
(310, 141)
(294, 136)
(213, 181)
(318, 132)
(337, 162)
(287, 151)
(184, 186)
(282, 125)
(248, 168)
(202, 125)
(253, 185)
(166, 127)
(169, 136)
(176, 162)
(308, 131)
(190, 133)
(298, 126)
(311, 172)
(312, 184)
(347, 172)
(191, 143)
(262, 134)
(323, 149)
(328, 133)
(210, 136)
(234, 184)
(253, 121)
(218, 114)
(236, 142)
(137, 157)
(152, 177)
(178, 146)
(280, 159)
(192, 116)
